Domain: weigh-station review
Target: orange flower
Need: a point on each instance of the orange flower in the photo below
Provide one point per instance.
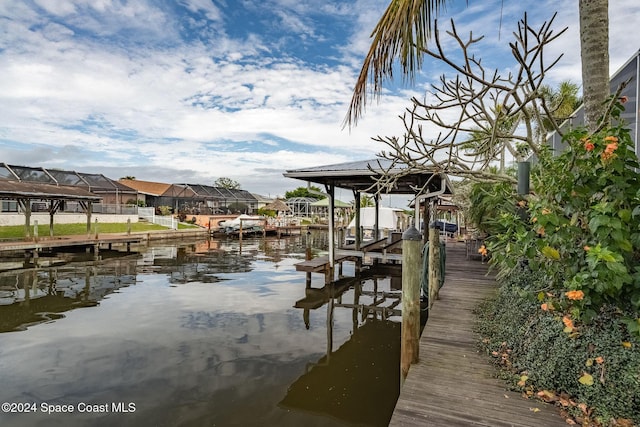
(589, 146)
(522, 203)
(534, 219)
(575, 295)
(483, 250)
(587, 248)
(611, 147)
(541, 231)
(567, 322)
(606, 155)
(545, 307)
(611, 138)
(599, 360)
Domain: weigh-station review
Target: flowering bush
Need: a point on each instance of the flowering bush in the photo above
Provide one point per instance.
(581, 227)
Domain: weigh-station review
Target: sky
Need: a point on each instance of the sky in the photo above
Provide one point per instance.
(188, 91)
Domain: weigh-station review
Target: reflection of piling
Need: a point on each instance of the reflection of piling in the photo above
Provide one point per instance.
(411, 262)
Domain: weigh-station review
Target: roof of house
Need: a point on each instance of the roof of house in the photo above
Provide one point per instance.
(146, 187)
(38, 183)
(90, 181)
(211, 192)
(277, 205)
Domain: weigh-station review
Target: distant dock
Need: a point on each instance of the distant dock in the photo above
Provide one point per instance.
(94, 243)
(70, 241)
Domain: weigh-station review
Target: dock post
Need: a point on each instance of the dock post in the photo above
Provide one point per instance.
(434, 265)
(35, 230)
(128, 226)
(307, 252)
(96, 229)
(411, 263)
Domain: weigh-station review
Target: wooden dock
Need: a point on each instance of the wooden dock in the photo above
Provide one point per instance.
(69, 241)
(453, 384)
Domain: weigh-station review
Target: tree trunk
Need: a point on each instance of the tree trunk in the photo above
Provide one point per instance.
(594, 49)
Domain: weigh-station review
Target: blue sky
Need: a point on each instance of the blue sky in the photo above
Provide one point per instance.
(193, 90)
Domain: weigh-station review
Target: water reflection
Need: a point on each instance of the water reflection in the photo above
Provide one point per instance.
(40, 295)
(204, 333)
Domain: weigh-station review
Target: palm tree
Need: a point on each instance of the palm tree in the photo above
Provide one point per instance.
(562, 103)
(401, 33)
(406, 25)
(594, 50)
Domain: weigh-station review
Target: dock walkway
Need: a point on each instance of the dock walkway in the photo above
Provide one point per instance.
(453, 384)
(84, 240)
(68, 241)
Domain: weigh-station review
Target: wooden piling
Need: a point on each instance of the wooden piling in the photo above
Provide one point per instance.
(411, 263)
(434, 265)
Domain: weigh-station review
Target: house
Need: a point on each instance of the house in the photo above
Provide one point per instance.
(192, 199)
(114, 196)
(629, 71)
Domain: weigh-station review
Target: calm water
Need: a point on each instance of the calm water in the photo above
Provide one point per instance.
(202, 334)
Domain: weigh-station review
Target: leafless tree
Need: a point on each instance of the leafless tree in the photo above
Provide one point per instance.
(494, 113)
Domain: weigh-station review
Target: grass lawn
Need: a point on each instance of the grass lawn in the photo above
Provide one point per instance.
(17, 231)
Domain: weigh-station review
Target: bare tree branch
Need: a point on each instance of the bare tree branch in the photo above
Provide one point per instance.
(493, 114)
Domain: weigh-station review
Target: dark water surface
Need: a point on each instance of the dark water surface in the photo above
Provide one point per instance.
(202, 334)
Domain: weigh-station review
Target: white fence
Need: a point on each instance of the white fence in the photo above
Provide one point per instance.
(14, 218)
(149, 214)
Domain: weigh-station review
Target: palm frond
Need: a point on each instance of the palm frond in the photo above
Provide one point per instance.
(401, 34)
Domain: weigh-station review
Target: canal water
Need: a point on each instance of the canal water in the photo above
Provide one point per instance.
(209, 333)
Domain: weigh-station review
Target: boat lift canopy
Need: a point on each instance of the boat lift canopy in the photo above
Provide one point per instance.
(363, 176)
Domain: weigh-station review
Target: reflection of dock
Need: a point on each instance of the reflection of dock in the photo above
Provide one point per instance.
(37, 295)
(348, 384)
(317, 297)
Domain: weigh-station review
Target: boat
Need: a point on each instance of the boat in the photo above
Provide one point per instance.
(448, 227)
(248, 222)
(389, 220)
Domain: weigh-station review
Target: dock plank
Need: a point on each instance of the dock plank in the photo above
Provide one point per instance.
(453, 384)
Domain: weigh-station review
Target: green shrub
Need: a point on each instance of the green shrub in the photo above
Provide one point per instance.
(581, 225)
(533, 345)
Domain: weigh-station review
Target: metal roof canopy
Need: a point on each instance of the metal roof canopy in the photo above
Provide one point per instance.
(24, 184)
(361, 177)
(31, 190)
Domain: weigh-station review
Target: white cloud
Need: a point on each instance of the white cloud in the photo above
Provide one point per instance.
(214, 105)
